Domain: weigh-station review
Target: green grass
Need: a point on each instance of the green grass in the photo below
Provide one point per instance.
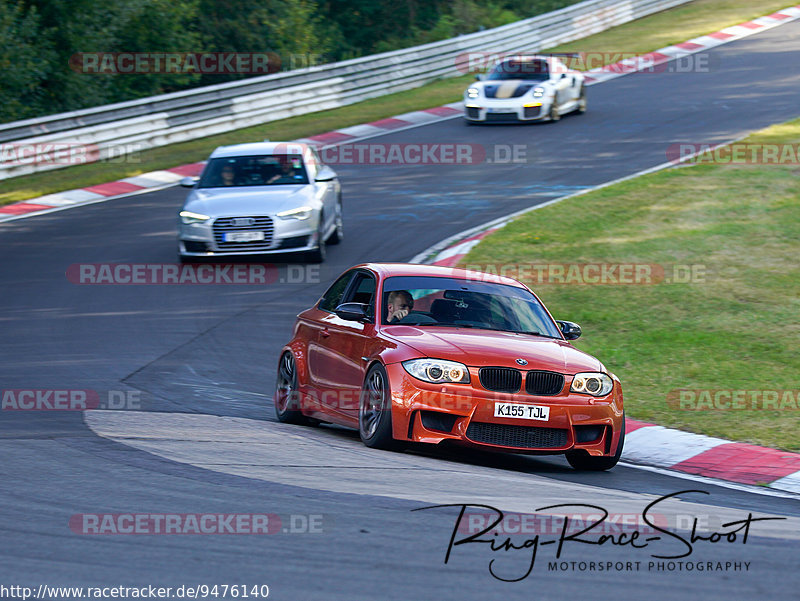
(649, 33)
(674, 26)
(737, 329)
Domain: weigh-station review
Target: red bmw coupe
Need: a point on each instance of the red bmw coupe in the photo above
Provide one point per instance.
(434, 354)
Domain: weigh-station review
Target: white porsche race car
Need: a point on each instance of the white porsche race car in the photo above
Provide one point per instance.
(525, 88)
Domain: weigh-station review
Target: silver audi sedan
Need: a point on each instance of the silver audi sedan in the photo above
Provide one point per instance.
(262, 198)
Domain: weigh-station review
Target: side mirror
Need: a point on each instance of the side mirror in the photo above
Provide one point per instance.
(189, 182)
(325, 174)
(563, 76)
(571, 330)
(353, 311)
(478, 77)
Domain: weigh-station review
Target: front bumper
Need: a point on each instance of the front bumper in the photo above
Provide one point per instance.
(485, 110)
(463, 414)
(280, 236)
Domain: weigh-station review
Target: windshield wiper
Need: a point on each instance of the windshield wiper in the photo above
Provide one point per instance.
(432, 323)
(542, 335)
(523, 332)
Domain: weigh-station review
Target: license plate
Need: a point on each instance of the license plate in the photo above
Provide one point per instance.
(243, 236)
(536, 412)
(506, 111)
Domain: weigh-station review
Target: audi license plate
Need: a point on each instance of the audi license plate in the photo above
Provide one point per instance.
(243, 236)
(537, 412)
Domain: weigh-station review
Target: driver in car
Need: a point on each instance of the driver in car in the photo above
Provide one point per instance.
(398, 305)
(228, 175)
(287, 174)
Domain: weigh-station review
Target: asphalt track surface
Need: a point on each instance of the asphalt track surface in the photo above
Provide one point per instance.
(210, 351)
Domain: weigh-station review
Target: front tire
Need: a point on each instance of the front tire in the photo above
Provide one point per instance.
(287, 396)
(554, 114)
(582, 461)
(375, 410)
(338, 233)
(581, 102)
(318, 254)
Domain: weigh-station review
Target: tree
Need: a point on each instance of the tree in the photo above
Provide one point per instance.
(24, 58)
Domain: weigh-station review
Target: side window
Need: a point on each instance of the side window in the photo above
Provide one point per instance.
(333, 297)
(363, 291)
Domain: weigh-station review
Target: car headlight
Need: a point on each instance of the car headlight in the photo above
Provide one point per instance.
(189, 218)
(594, 383)
(437, 371)
(473, 93)
(538, 92)
(301, 213)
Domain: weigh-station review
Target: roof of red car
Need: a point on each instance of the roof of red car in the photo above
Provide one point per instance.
(410, 269)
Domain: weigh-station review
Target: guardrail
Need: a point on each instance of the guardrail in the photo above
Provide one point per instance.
(109, 131)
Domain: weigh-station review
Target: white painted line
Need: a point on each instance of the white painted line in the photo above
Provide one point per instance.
(459, 249)
(76, 196)
(738, 30)
(428, 255)
(53, 200)
(153, 178)
(665, 447)
(83, 203)
(708, 42)
(361, 130)
(766, 21)
(383, 132)
(309, 141)
(417, 117)
(759, 490)
(674, 52)
(790, 483)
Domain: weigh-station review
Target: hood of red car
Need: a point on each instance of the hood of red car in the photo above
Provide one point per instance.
(480, 348)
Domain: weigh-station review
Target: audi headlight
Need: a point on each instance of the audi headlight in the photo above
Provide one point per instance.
(538, 92)
(473, 93)
(437, 371)
(594, 383)
(301, 213)
(189, 218)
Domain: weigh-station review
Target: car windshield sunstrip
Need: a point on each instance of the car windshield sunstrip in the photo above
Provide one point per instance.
(260, 170)
(439, 301)
(534, 70)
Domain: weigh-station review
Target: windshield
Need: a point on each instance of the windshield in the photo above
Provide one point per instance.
(261, 170)
(531, 70)
(451, 302)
